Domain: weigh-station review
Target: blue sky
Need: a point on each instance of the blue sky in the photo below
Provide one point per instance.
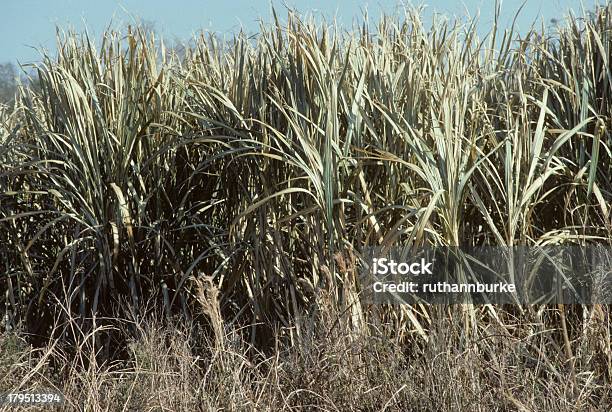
(27, 24)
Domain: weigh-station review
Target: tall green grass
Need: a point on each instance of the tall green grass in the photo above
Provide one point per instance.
(269, 163)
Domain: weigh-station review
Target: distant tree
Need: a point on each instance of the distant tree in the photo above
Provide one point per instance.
(149, 26)
(8, 82)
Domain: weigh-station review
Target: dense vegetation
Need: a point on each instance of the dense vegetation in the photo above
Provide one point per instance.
(228, 193)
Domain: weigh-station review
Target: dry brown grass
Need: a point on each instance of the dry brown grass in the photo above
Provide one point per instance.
(329, 367)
